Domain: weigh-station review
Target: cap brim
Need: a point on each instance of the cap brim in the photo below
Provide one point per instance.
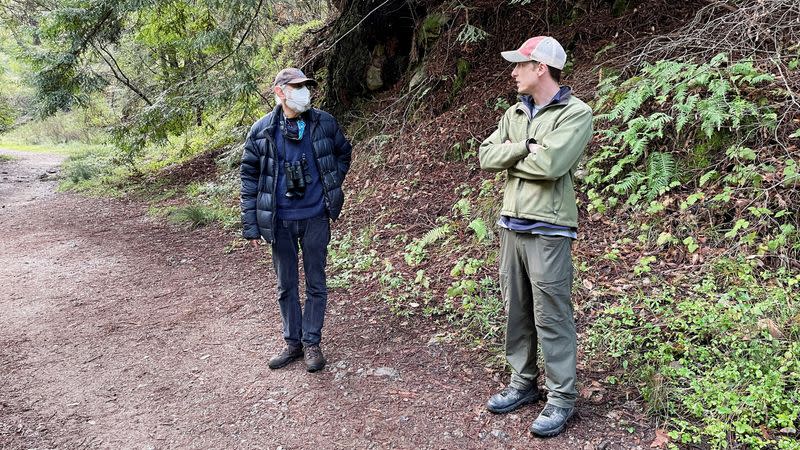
(308, 81)
(514, 56)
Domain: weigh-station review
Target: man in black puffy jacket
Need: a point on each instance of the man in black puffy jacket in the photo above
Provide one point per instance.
(294, 162)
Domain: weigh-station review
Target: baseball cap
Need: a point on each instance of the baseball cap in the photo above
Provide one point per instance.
(292, 75)
(540, 48)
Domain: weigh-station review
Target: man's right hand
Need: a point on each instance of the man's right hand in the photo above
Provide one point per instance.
(255, 243)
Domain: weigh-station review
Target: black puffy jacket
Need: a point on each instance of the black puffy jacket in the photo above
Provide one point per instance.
(259, 169)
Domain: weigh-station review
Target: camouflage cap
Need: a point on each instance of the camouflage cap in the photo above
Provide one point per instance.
(292, 75)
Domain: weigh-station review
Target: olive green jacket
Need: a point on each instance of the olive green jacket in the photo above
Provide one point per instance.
(540, 185)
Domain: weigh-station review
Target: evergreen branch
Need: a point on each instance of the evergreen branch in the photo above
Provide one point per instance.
(111, 62)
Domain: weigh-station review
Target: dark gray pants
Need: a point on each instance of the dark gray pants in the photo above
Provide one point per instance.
(302, 325)
(536, 281)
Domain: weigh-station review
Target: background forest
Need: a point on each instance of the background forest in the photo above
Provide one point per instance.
(688, 258)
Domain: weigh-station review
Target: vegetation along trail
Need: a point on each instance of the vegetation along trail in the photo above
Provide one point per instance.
(120, 330)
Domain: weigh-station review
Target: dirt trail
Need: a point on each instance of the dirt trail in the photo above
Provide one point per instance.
(120, 331)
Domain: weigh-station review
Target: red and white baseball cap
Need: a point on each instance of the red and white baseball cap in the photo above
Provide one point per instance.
(540, 48)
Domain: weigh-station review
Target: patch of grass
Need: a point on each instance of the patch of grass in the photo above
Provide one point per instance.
(91, 168)
(83, 125)
(719, 363)
(219, 195)
(7, 158)
(60, 149)
(195, 216)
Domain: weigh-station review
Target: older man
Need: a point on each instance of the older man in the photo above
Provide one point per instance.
(294, 162)
(539, 143)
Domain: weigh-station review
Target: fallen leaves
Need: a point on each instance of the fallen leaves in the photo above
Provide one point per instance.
(593, 392)
(661, 440)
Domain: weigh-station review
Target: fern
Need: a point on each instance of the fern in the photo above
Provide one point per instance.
(745, 72)
(661, 169)
(471, 34)
(435, 234)
(415, 251)
(685, 111)
(712, 115)
(739, 109)
(666, 106)
(630, 183)
(710, 175)
(463, 207)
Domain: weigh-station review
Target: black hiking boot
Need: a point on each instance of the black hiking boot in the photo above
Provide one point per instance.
(551, 421)
(510, 399)
(288, 354)
(314, 359)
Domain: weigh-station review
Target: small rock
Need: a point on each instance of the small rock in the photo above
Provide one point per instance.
(388, 372)
(500, 434)
(437, 339)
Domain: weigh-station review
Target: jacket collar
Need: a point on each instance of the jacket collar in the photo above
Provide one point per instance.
(561, 98)
(274, 118)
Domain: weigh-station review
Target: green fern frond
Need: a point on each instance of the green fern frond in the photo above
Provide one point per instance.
(661, 169)
(743, 72)
(712, 116)
(718, 60)
(712, 174)
(435, 234)
(739, 109)
(630, 183)
(479, 227)
(685, 111)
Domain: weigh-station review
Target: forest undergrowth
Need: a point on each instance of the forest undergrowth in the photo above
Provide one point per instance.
(687, 263)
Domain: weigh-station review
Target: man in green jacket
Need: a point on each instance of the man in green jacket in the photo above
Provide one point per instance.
(539, 143)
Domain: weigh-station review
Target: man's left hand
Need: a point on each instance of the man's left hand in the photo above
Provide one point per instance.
(533, 148)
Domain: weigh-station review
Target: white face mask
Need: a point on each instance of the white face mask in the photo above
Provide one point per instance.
(299, 100)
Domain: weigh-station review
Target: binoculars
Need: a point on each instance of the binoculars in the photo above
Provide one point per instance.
(297, 177)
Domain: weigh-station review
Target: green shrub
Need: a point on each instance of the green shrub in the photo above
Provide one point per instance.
(87, 164)
(478, 300)
(86, 126)
(7, 115)
(719, 363)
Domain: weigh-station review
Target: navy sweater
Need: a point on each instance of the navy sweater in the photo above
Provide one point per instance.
(311, 204)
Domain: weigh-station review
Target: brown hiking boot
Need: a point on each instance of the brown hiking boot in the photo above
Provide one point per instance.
(314, 359)
(287, 355)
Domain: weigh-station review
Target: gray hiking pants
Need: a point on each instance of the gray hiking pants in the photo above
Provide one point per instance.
(536, 282)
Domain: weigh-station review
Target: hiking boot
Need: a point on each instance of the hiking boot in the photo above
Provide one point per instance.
(510, 399)
(287, 355)
(314, 359)
(551, 421)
